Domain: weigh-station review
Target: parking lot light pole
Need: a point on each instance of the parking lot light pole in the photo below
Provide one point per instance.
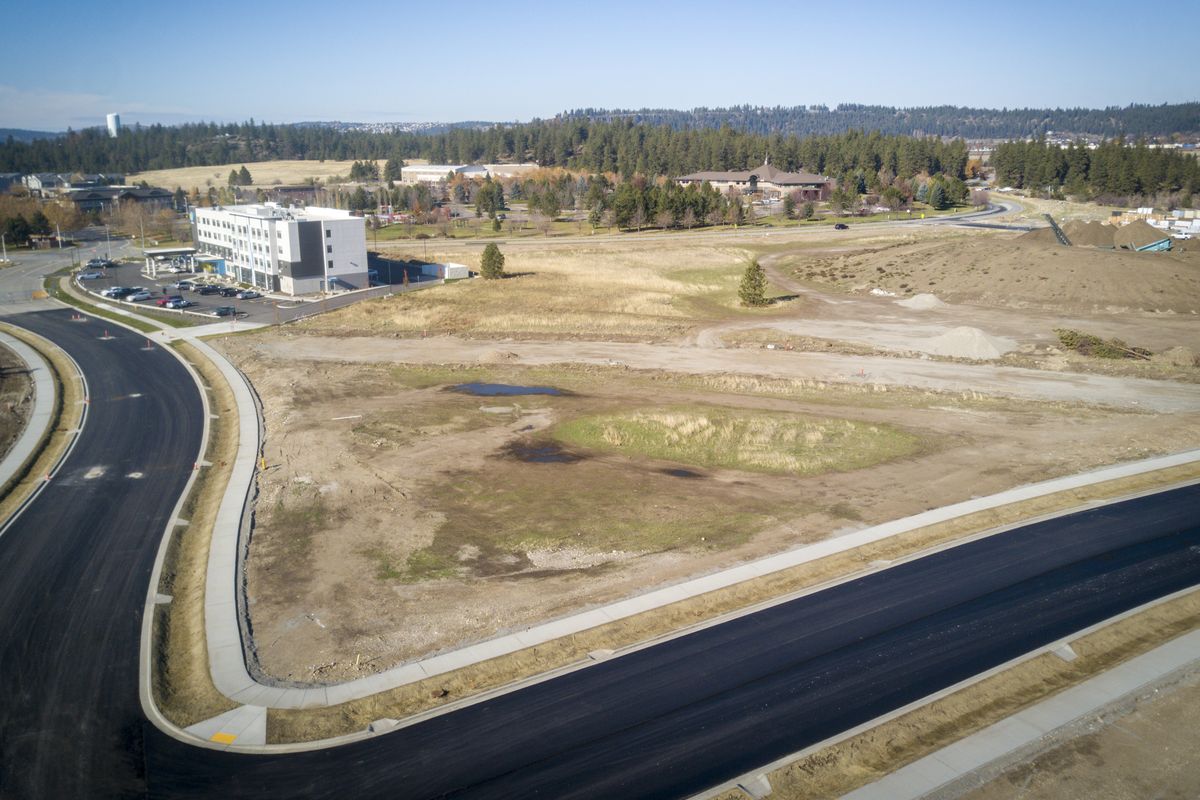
(4, 247)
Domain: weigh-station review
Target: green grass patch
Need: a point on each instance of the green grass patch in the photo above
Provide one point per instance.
(754, 441)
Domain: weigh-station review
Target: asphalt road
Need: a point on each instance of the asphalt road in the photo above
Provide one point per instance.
(74, 569)
(666, 721)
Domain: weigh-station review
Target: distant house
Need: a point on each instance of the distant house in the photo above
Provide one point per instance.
(44, 184)
(103, 198)
(768, 180)
(432, 173)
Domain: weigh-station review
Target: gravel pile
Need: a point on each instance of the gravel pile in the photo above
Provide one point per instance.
(967, 342)
(921, 302)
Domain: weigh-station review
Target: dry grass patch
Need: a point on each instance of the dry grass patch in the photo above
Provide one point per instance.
(182, 684)
(68, 412)
(264, 173)
(622, 294)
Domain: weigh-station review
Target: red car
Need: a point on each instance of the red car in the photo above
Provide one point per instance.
(162, 301)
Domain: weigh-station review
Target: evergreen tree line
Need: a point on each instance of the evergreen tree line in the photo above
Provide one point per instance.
(946, 121)
(1112, 170)
(620, 147)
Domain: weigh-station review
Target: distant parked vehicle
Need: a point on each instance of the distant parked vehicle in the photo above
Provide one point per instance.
(248, 294)
(229, 291)
(140, 294)
(90, 276)
(841, 226)
(162, 301)
(115, 292)
(208, 289)
(178, 302)
(184, 284)
(224, 311)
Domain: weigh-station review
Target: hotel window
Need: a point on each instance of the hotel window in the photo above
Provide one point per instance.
(328, 233)
(328, 248)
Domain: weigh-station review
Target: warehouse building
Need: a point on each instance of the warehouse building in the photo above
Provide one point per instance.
(285, 250)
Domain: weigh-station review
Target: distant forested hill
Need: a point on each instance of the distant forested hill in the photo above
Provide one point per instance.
(22, 135)
(948, 121)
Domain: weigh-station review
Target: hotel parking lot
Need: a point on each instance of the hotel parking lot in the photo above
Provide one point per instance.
(263, 310)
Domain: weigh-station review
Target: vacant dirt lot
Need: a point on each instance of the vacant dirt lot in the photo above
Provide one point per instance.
(398, 519)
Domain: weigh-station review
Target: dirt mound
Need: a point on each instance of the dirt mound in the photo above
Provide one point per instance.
(1176, 357)
(1019, 273)
(967, 342)
(1137, 234)
(921, 302)
(1089, 234)
(1045, 235)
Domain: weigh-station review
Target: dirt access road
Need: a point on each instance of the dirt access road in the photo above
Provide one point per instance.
(1028, 384)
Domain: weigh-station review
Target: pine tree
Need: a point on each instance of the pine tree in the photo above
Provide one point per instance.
(753, 289)
(491, 266)
(244, 178)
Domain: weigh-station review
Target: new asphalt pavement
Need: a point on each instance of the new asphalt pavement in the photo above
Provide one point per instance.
(664, 721)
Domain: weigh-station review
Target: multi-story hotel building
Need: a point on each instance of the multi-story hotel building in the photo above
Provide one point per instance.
(288, 250)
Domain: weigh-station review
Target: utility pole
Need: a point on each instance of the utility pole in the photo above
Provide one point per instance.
(107, 248)
(4, 247)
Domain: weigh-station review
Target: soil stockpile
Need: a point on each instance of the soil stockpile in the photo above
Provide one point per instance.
(1089, 234)
(967, 342)
(921, 302)
(1045, 235)
(1137, 234)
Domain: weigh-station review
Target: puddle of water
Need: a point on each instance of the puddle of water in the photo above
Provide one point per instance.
(540, 453)
(682, 473)
(502, 389)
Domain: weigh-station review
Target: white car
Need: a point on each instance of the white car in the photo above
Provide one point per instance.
(90, 276)
(138, 295)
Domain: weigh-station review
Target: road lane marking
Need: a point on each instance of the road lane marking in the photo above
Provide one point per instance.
(223, 738)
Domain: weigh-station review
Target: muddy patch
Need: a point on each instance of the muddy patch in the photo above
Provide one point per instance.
(540, 453)
(503, 390)
(681, 473)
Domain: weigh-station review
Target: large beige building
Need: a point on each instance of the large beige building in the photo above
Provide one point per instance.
(767, 180)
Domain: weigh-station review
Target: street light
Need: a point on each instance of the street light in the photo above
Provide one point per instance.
(4, 247)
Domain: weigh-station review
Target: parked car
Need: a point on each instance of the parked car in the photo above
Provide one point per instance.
(178, 302)
(89, 276)
(208, 288)
(184, 284)
(99, 263)
(841, 226)
(162, 301)
(140, 294)
(115, 292)
(224, 311)
(248, 294)
(229, 291)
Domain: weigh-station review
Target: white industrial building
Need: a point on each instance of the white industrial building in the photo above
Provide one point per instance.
(289, 250)
(432, 173)
(114, 124)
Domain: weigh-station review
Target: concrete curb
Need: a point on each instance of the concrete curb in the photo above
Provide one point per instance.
(28, 444)
(74, 435)
(1024, 730)
(1057, 647)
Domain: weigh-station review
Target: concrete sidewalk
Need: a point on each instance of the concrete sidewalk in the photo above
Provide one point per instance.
(27, 444)
(1025, 730)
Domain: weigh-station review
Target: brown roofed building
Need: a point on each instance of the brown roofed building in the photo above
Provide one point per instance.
(768, 180)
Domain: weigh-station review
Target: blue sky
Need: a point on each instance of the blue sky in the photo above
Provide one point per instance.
(67, 63)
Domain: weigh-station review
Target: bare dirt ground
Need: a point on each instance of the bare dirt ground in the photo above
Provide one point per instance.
(413, 528)
(1142, 747)
(16, 398)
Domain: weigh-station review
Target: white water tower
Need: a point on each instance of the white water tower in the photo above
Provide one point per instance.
(114, 125)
